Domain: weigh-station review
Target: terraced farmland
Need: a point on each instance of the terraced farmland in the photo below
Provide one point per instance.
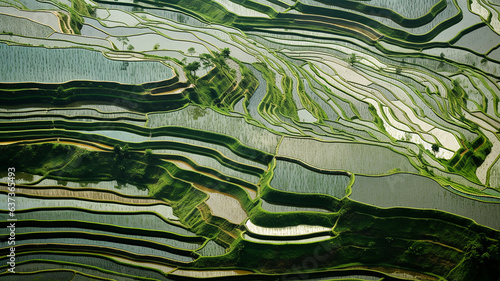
(249, 140)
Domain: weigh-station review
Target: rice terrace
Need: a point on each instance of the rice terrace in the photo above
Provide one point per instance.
(250, 140)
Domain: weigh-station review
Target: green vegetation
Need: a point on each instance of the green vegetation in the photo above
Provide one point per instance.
(78, 9)
(218, 87)
(275, 99)
(192, 68)
(352, 59)
(372, 124)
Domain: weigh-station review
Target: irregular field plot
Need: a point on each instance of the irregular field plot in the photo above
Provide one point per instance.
(413, 191)
(293, 177)
(28, 64)
(352, 157)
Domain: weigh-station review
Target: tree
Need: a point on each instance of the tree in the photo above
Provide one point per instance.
(191, 51)
(130, 47)
(148, 155)
(156, 46)
(352, 59)
(435, 148)
(196, 112)
(225, 53)
(206, 60)
(193, 67)
(482, 257)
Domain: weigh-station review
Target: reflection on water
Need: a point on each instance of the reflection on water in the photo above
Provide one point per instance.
(414, 191)
(292, 177)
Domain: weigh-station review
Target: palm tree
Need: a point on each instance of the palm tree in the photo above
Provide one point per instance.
(225, 53)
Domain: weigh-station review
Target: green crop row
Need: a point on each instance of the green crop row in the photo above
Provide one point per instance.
(415, 240)
(87, 249)
(370, 10)
(163, 179)
(102, 237)
(89, 272)
(98, 262)
(93, 84)
(208, 170)
(233, 144)
(468, 158)
(108, 227)
(63, 97)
